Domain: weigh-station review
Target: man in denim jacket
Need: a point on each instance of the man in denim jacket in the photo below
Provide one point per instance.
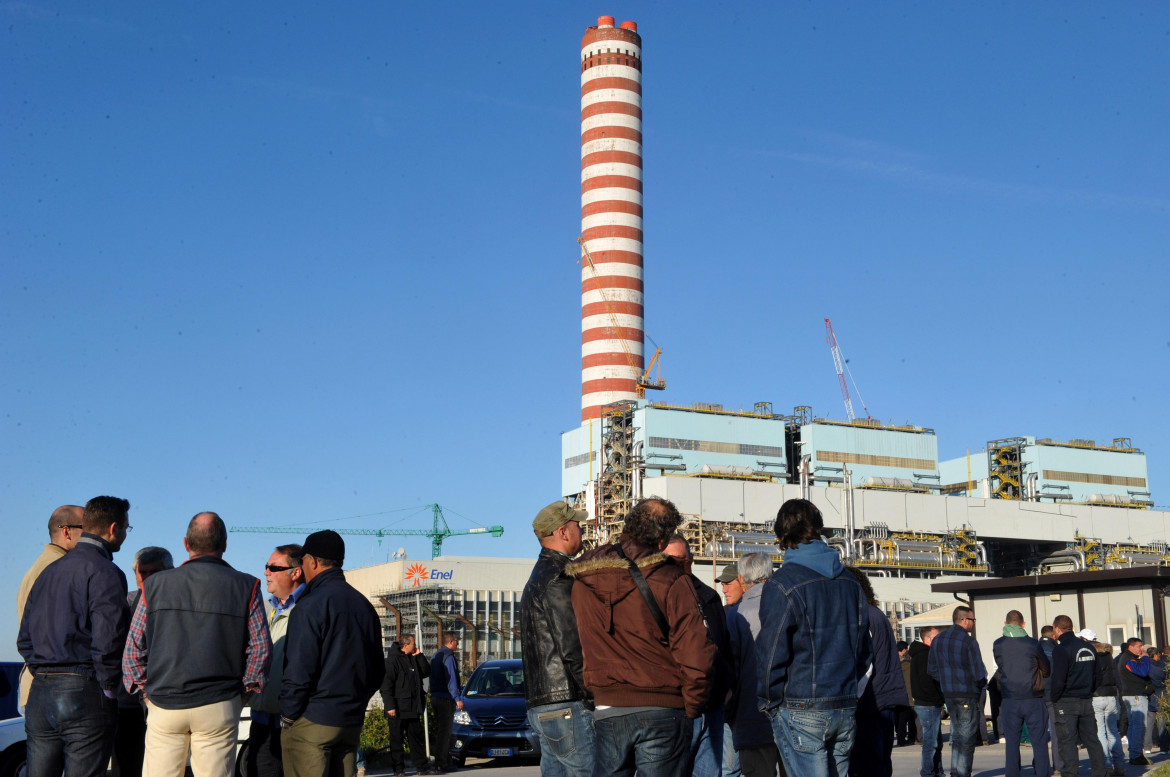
(812, 649)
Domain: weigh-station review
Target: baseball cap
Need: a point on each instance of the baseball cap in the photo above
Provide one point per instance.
(729, 573)
(1088, 634)
(553, 517)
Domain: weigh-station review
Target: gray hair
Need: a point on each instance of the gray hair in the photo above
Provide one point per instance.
(755, 568)
(152, 554)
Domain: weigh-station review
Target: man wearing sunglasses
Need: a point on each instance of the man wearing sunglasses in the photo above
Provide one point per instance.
(286, 582)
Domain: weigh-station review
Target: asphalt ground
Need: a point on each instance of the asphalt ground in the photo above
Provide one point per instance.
(989, 760)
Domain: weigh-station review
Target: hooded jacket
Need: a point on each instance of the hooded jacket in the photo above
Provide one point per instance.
(814, 644)
(402, 688)
(1105, 670)
(1016, 654)
(627, 661)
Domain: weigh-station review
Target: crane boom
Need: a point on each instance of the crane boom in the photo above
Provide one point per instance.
(831, 339)
(438, 531)
(842, 368)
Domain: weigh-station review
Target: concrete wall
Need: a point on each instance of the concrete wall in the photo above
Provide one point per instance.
(715, 499)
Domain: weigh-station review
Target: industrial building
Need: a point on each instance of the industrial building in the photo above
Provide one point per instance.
(1022, 506)
(1077, 471)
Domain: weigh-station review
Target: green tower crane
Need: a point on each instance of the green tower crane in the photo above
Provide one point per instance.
(438, 532)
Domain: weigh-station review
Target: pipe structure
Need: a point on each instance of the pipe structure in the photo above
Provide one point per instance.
(474, 639)
(438, 620)
(397, 617)
(805, 480)
(847, 496)
(612, 356)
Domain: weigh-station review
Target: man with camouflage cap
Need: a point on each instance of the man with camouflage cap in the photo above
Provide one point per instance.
(560, 709)
(733, 587)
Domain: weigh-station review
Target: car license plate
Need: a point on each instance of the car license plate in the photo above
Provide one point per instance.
(494, 752)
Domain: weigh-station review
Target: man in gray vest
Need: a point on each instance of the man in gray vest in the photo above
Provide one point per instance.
(198, 645)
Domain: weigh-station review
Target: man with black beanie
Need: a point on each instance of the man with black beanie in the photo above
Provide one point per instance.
(333, 665)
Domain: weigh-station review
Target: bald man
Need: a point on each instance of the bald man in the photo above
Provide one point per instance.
(198, 645)
(64, 532)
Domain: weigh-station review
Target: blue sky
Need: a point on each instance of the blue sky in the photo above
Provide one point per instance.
(296, 264)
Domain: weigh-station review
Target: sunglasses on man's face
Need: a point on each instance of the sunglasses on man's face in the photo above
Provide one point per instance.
(275, 568)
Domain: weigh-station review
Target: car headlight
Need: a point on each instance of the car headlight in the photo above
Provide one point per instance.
(462, 718)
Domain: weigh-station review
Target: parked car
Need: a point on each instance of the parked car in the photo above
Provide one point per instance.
(494, 722)
(13, 758)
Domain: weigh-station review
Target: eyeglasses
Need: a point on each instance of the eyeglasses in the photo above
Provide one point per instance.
(129, 528)
(275, 568)
(969, 619)
(70, 526)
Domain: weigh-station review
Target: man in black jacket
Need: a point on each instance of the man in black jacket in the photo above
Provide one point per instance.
(707, 737)
(1105, 703)
(1019, 657)
(928, 703)
(560, 709)
(333, 664)
(405, 703)
(71, 637)
(1073, 680)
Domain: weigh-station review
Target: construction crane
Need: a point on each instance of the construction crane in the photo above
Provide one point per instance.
(842, 367)
(643, 381)
(438, 532)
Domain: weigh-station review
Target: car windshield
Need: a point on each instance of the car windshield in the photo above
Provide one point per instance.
(496, 681)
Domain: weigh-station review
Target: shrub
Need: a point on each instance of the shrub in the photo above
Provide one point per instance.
(375, 732)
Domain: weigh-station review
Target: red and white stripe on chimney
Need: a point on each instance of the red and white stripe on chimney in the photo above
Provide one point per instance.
(611, 214)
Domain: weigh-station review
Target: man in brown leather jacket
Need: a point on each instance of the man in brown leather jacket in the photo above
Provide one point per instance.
(647, 655)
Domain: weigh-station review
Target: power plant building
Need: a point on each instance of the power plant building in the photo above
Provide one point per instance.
(1075, 472)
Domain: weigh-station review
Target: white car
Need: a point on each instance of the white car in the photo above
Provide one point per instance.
(13, 760)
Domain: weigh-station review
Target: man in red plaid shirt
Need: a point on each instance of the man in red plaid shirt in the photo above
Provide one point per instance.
(198, 645)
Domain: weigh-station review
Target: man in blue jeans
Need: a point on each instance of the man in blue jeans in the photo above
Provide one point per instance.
(1018, 657)
(72, 633)
(647, 656)
(812, 649)
(928, 703)
(955, 662)
(1133, 674)
(560, 708)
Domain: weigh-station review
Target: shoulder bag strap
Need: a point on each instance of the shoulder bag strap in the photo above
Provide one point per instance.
(644, 587)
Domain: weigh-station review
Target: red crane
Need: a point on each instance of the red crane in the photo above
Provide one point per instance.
(842, 367)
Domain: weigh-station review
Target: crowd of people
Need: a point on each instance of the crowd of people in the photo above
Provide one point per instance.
(158, 676)
(633, 666)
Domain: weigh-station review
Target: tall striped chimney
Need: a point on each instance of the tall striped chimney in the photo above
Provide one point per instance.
(611, 214)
